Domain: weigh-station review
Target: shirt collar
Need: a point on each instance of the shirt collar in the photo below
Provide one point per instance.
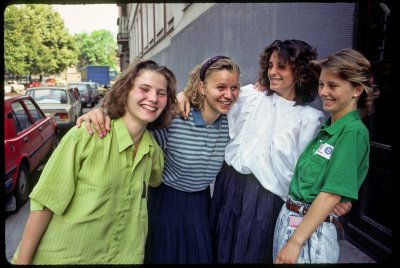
(339, 124)
(124, 138)
(199, 121)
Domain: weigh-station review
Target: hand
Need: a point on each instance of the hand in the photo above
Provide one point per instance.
(289, 253)
(342, 208)
(260, 87)
(183, 105)
(96, 117)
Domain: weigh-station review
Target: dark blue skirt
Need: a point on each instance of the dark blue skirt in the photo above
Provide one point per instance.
(179, 227)
(243, 216)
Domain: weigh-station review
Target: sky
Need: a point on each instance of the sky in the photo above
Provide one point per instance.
(89, 18)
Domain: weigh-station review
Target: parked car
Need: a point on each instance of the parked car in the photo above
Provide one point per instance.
(7, 88)
(29, 135)
(59, 102)
(16, 87)
(86, 93)
(34, 83)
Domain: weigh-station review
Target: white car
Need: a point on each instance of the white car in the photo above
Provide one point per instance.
(20, 89)
(59, 102)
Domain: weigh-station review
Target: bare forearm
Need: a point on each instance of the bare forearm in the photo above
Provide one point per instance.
(35, 226)
(318, 211)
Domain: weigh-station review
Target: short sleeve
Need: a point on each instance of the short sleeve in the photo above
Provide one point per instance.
(56, 185)
(161, 136)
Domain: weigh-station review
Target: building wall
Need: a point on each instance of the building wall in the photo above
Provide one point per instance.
(241, 31)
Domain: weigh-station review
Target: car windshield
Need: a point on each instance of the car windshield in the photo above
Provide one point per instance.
(81, 88)
(48, 95)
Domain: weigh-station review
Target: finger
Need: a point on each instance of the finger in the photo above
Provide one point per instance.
(187, 109)
(98, 123)
(87, 124)
(78, 122)
(108, 123)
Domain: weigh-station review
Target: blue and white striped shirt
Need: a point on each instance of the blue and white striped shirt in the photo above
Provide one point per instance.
(193, 151)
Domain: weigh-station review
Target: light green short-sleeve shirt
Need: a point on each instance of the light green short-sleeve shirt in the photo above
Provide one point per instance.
(98, 194)
(336, 161)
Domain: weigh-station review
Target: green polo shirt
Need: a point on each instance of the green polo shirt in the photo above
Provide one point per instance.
(98, 194)
(336, 161)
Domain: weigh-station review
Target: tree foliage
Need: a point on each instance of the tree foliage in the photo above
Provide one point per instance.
(36, 41)
(97, 48)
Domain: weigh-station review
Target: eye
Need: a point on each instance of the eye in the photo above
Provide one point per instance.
(145, 89)
(162, 92)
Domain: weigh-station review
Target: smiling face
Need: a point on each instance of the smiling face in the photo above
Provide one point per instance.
(220, 90)
(281, 77)
(148, 97)
(338, 96)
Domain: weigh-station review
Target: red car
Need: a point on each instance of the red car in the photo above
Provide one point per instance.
(28, 137)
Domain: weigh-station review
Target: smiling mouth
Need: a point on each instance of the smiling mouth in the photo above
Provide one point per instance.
(149, 108)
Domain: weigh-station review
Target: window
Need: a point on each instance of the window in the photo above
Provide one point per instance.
(36, 114)
(21, 118)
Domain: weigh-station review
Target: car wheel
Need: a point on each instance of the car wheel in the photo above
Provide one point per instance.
(22, 187)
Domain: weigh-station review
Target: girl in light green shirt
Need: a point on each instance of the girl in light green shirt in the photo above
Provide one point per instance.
(90, 203)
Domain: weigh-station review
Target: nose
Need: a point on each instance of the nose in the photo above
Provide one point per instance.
(228, 94)
(272, 70)
(152, 95)
(321, 90)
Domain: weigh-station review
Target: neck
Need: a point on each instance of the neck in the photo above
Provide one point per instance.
(209, 116)
(135, 128)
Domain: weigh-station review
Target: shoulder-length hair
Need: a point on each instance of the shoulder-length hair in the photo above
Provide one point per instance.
(298, 55)
(115, 101)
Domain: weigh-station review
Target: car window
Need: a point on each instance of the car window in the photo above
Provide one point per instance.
(49, 96)
(21, 118)
(82, 88)
(36, 114)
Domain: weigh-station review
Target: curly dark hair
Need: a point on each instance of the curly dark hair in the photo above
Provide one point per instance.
(298, 54)
(115, 101)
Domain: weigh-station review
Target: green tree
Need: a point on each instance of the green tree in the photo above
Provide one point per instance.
(36, 41)
(97, 48)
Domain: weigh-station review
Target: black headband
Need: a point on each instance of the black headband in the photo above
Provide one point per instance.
(207, 64)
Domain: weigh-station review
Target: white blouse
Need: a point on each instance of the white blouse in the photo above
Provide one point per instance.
(268, 134)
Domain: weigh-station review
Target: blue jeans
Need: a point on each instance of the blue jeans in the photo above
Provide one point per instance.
(321, 247)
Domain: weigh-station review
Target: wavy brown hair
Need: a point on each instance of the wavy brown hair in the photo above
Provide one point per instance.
(116, 100)
(298, 55)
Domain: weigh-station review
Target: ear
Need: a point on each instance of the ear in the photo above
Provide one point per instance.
(202, 89)
(358, 90)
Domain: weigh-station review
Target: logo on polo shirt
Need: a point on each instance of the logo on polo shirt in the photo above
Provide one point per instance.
(325, 150)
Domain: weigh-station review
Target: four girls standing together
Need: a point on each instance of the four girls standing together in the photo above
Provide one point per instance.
(268, 152)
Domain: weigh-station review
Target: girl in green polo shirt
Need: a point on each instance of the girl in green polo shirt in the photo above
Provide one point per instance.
(90, 203)
(332, 167)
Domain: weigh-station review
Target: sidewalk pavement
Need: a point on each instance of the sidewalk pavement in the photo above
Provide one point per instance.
(351, 254)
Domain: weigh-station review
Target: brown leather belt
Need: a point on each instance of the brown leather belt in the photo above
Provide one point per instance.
(296, 208)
